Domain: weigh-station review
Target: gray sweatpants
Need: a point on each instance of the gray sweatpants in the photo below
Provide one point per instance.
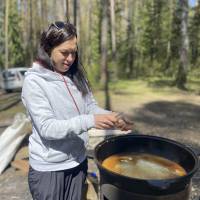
(58, 185)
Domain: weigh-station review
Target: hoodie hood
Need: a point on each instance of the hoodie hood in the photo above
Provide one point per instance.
(46, 74)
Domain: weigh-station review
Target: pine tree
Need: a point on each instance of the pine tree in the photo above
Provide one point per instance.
(181, 76)
(16, 51)
(195, 34)
(152, 40)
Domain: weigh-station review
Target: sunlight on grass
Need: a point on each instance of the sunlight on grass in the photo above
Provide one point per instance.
(128, 94)
(194, 84)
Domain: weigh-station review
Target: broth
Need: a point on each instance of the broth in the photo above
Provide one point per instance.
(143, 166)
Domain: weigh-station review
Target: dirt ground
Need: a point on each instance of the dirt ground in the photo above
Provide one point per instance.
(176, 117)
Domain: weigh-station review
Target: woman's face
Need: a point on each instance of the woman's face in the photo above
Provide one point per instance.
(64, 55)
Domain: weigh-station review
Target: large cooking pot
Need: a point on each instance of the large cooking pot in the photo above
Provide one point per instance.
(159, 146)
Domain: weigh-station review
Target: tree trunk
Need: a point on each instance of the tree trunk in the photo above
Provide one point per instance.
(90, 21)
(168, 57)
(104, 67)
(67, 10)
(130, 40)
(167, 62)
(113, 38)
(44, 10)
(75, 12)
(36, 27)
(6, 32)
(60, 12)
(31, 31)
(113, 32)
(181, 78)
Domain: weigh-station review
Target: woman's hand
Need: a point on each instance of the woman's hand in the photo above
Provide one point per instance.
(123, 123)
(113, 120)
(105, 121)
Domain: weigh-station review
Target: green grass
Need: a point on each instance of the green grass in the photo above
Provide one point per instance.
(126, 93)
(194, 85)
(154, 85)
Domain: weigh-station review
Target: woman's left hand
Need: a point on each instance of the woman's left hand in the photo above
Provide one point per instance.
(123, 123)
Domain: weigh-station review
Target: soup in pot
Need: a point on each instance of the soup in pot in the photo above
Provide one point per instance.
(143, 166)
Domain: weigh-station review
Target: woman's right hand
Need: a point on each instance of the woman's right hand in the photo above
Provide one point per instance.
(105, 121)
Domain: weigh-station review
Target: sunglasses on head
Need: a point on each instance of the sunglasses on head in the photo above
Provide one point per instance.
(59, 25)
(69, 28)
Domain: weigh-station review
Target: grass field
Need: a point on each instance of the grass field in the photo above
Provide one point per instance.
(135, 93)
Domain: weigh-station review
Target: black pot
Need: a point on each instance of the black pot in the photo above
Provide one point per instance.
(159, 146)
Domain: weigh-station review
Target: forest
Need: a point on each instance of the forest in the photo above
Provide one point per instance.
(118, 39)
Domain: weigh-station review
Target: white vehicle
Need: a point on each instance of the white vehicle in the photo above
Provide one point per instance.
(13, 78)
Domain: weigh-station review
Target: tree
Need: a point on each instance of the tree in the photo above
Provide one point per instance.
(176, 31)
(67, 9)
(113, 32)
(104, 51)
(130, 40)
(113, 63)
(75, 12)
(169, 8)
(91, 38)
(194, 34)
(30, 46)
(59, 11)
(181, 77)
(44, 12)
(2, 35)
(6, 32)
(152, 38)
(14, 49)
(77, 19)
(144, 37)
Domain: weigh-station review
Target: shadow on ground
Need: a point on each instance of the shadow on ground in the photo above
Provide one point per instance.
(178, 120)
(178, 115)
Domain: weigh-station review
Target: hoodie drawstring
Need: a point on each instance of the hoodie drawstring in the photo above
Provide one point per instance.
(71, 94)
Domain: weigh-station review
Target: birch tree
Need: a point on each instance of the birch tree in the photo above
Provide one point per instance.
(113, 32)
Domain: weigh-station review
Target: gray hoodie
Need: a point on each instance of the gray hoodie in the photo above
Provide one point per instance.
(59, 134)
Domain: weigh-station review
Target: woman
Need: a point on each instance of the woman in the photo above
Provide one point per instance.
(62, 109)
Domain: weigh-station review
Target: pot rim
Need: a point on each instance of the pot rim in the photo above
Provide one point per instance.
(190, 150)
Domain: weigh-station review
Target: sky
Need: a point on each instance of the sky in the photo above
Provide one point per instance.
(192, 2)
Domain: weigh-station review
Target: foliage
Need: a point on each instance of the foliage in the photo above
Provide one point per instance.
(16, 57)
(147, 35)
(195, 36)
(15, 49)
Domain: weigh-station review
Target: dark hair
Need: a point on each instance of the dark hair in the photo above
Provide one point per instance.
(56, 34)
